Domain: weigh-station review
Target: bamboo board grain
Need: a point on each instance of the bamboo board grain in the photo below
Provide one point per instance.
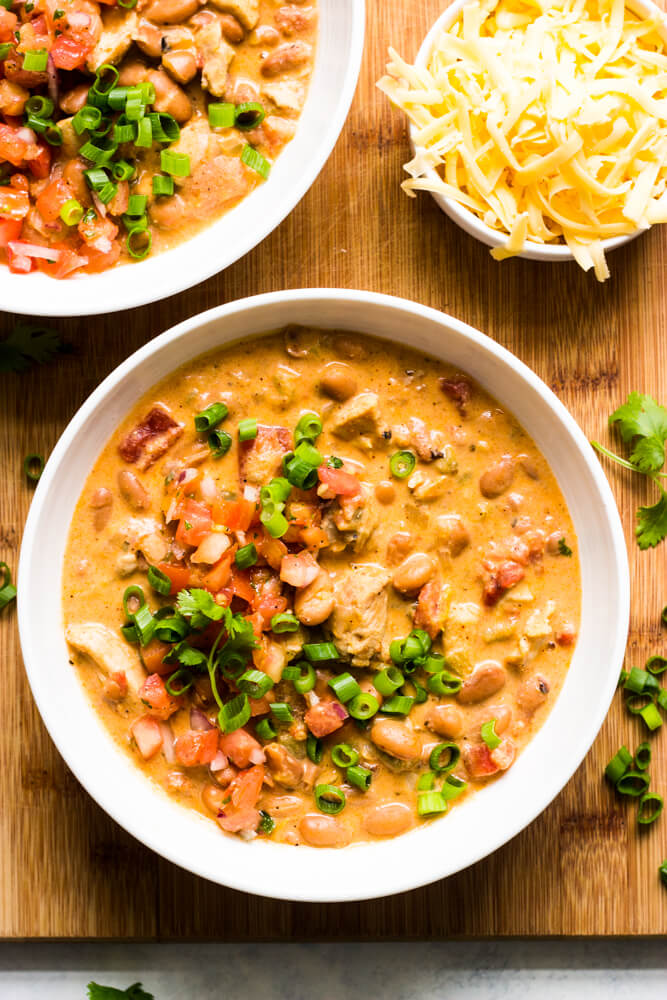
(582, 868)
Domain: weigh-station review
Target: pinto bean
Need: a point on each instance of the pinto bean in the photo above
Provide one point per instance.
(453, 533)
(74, 99)
(445, 720)
(282, 805)
(264, 34)
(171, 11)
(101, 502)
(396, 738)
(398, 546)
(338, 381)
(292, 55)
(132, 490)
(413, 573)
(532, 693)
(180, 64)
(213, 797)
(498, 477)
(169, 97)
(285, 768)
(74, 175)
(324, 831)
(388, 819)
(313, 604)
(385, 492)
(368, 687)
(487, 679)
(232, 29)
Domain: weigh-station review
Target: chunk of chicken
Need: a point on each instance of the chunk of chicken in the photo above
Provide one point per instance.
(111, 653)
(261, 458)
(360, 415)
(215, 56)
(118, 28)
(245, 11)
(286, 96)
(359, 618)
(354, 519)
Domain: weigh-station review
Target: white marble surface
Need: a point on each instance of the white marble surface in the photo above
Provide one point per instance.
(482, 970)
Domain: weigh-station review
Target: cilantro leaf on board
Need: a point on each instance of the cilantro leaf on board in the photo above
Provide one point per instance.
(641, 417)
(652, 523)
(134, 992)
(27, 345)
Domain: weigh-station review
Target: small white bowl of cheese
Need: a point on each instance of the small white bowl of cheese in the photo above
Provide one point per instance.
(536, 128)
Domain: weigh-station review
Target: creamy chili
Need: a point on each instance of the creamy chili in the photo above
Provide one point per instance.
(321, 587)
(125, 129)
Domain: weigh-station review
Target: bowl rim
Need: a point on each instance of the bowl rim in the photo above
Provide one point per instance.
(239, 877)
(111, 295)
(464, 217)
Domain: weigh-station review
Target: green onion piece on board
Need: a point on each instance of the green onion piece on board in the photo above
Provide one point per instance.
(7, 588)
(618, 765)
(650, 807)
(33, 466)
(633, 783)
(651, 717)
(656, 665)
(643, 756)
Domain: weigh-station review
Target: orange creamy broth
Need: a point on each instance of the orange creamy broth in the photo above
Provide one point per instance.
(470, 547)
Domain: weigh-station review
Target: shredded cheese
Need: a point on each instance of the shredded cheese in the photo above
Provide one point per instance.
(545, 118)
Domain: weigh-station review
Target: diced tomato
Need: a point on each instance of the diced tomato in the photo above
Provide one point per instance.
(153, 655)
(179, 576)
(270, 549)
(39, 165)
(147, 735)
(18, 262)
(259, 706)
(242, 586)
(478, 761)
(68, 54)
(270, 600)
(325, 717)
(195, 523)
(299, 570)
(241, 748)
(10, 230)
(52, 198)
(504, 754)
(115, 686)
(313, 537)
(258, 623)
(566, 635)
(237, 515)
(196, 747)
(67, 262)
(13, 147)
(240, 812)
(14, 204)
(220, 574)
(8, 22)
(339, 482)
(502, 578)
(98, 261)
(97, 232)
(154, 694)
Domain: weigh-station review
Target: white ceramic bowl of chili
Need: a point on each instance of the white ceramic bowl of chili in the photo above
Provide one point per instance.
(477, 827)
(338, 55)
(463, 217)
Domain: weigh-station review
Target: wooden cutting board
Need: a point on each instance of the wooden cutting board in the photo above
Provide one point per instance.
(66, 869)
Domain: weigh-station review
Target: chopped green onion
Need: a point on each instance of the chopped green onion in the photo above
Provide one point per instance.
(308, 428)
(5, 49)
(431, 803)
(163, 186)
(159, 581)
(35, 60)
(453, 755)
(489, 734)
(219, 442)
(133, 593)
(400, 704)
(643, 756)
(618, 765)
(434, 664)
(663, 616)
(33, 466)
(87, 118)
(656, 664)
(359, 776)
(72, 212)
(345, 687)
(266, 824)
(144, 138)
(633, 783)
(139, 241)
(42, 107)
(281, 712)
(254, 159)
(452, 787)
(320, 652)
(426, 781)
(179, 682)
(247, 116)
(246, 556)
(402, 463)
(124, 130)
(651, 717)
(7, 588)
(265, 730)
(636, 680)
(100, 152)
(414, 647)
(314, 749)
(623, 678)
(171, 629)
(213, 414)
(662, 870)
(255, 683)
(275, 523)
(650, 807)
(136, 206)
(235, 714)
(444, 683)
(302, 675)
(388, 680)
(175, 164)
(421, 694)
(364, 706)
(247, 429)
(343, 755)
(284, 621)
(662, 699)
(221, 115)
(164, 126)
(329, 799)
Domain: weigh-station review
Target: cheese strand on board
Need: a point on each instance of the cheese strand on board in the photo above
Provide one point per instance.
(545, 118)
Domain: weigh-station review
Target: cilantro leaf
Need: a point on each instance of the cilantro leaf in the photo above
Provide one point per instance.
(641, 417)
(563, 548)
(199, 606)
(27, 345)
(188, 656)
(134, 992)
(652, 523)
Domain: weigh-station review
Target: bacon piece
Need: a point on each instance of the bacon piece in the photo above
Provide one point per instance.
(504, 576)
(459, 391)
(325, 717)
(430, 613)
(150, 439)
(260, 459)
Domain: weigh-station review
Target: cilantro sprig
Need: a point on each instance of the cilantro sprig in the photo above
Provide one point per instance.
(28, 345)
(642, 423)
(134, 992)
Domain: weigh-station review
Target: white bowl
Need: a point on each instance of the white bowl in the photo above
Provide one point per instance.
(472, 830)
(338, 59)
(462, 216)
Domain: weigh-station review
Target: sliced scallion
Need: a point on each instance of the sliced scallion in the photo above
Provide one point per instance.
(329, 799)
